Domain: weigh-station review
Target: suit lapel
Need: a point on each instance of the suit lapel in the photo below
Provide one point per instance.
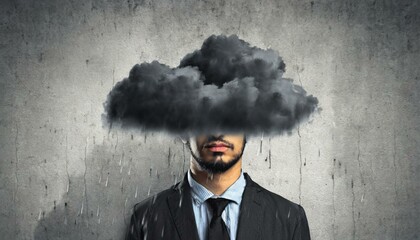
(180, 205)
(251, 211)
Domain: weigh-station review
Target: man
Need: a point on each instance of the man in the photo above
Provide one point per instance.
(216, 200)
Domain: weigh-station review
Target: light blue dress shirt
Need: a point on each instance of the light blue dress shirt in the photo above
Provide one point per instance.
(203, 214)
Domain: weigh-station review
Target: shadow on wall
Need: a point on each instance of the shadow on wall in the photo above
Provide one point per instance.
(98, 204)
(72, 218)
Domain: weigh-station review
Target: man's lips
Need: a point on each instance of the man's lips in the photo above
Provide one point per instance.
(217, 146)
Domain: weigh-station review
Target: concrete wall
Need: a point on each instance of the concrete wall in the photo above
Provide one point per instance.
(354, 167)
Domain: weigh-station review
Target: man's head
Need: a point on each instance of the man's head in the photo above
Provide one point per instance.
(216, 153)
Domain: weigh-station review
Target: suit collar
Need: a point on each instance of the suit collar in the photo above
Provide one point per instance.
(201, 193)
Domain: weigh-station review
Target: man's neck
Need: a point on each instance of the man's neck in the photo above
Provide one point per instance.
(217, 183)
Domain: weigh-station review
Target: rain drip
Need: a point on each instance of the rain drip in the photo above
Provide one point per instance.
(135, 195)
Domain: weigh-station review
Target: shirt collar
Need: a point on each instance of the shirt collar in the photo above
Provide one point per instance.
(201, 194)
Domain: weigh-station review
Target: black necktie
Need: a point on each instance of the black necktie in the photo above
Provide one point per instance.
(217, 229)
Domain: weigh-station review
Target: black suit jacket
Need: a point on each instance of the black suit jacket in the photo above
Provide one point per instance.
(263, 215)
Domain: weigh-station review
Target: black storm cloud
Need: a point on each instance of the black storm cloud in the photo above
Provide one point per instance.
(226, 86)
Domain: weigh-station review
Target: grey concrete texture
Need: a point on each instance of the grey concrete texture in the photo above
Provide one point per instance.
(354, 167)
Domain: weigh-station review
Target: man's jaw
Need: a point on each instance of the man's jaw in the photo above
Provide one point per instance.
(216, 165)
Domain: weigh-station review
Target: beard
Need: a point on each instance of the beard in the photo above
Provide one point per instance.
(217, 166)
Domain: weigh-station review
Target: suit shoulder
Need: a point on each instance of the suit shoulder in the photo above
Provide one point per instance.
(147, 211)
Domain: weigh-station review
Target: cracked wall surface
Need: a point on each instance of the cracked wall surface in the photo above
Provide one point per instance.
(354, 167)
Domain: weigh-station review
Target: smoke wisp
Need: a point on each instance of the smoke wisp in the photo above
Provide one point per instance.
(227, 86)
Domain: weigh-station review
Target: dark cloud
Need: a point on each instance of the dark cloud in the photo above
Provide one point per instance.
(227, 85)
